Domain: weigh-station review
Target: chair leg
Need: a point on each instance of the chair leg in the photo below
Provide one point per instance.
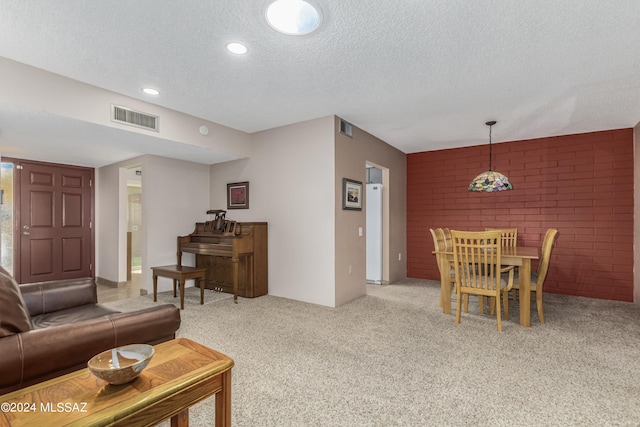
(466, 303)
(458, 306)
(498, 314)
(539, 306)
(505, 302)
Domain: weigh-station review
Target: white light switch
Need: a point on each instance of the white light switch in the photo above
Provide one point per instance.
(360, 231)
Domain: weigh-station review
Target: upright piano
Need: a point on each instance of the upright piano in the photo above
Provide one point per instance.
(235, 263)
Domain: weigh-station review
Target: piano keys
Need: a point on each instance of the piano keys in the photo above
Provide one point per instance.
(235, 263)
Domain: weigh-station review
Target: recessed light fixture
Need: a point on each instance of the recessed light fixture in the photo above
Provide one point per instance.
(150, 91)
(294, 17)
(237, 48)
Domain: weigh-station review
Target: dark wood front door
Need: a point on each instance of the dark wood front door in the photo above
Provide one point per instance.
(54, 222)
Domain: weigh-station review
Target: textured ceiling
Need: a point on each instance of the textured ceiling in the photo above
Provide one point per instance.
(420, 75)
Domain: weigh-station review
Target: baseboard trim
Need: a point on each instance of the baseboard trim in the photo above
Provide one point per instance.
(110, 283)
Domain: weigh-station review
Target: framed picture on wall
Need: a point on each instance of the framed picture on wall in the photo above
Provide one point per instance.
(351, 194)
(238, 195)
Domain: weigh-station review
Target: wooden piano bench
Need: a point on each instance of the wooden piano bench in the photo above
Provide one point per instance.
(179, 274)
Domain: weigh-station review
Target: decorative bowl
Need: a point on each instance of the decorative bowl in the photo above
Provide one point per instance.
(122, 364)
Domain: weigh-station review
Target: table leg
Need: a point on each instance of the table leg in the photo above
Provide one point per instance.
(174, 288)
(200, 282)
(445, 287)
(181, 419)
(223, 401)
(181, 294)
(525, 292)
(155, 288)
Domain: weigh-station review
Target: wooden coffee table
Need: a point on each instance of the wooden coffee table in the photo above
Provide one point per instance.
(181, 373)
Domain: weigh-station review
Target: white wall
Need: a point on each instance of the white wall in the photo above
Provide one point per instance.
(351, 156)
(291, 175)
(175, 195)
(110, 207)
(33, 88)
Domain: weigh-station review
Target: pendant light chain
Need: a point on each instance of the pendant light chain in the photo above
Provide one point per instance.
(490, 150)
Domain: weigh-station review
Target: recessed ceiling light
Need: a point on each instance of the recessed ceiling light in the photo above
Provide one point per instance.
(150, 91)
(237, 48)
(295, 17)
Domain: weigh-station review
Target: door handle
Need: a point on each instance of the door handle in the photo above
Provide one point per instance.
(26, 233)
(26, 227)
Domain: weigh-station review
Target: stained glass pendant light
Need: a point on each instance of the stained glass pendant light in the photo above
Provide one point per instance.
(490, 180)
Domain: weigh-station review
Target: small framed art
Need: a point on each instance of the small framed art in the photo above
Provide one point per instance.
(351, 194)
(238, 195)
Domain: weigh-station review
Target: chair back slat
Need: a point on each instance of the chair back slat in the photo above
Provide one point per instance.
(477, 259)
(448, 243)
(509, 236)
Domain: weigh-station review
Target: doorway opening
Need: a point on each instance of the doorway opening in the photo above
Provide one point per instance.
(134, 224)
(6, 216)
(377, 224)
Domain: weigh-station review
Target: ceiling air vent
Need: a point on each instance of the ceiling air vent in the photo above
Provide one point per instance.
(346, 128)
(131, 117)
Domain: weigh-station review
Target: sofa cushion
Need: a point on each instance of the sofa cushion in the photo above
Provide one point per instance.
(46, 297)
(70, 315)
(14, 317)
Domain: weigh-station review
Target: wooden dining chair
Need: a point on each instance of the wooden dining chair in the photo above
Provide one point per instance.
(476, 256)
(509, 240)
(448, 246)
(538, 277)
(509, 236)
(438, 239)
(439, 245)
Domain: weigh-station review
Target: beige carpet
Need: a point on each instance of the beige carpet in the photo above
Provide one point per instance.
(392, 358)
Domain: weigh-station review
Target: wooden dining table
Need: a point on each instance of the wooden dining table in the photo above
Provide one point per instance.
(519, 256)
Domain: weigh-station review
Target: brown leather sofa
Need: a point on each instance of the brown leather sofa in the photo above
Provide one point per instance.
(52, 328)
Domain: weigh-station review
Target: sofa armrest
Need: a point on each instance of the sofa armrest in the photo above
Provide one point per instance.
(147, 326)
(37, 355)
(45, 297)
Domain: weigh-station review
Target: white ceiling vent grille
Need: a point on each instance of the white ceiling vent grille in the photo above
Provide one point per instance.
(131, 117)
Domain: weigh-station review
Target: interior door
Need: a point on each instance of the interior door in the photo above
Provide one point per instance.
(55, 222)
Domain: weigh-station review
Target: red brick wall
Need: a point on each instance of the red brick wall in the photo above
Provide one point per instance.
(580, 184)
